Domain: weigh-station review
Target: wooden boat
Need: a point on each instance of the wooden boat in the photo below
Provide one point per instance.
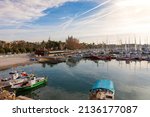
(102, 90)
(32, 83)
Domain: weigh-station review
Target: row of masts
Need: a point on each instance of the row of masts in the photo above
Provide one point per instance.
(127, 43)
(118, 40)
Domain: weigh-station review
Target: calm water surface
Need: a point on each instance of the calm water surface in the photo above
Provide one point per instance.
(72, 80)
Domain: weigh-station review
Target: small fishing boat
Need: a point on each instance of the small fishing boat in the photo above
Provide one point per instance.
(30, 84)
(14, 76)
(102, 90)
(75, 57)
(18, 81)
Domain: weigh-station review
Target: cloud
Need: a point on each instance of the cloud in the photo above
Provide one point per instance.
(14, 12)
(117, 17)
(109, 17)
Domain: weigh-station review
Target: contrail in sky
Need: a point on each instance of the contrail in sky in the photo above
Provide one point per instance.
(88, 11)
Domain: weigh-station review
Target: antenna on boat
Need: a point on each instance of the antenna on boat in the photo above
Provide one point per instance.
(125, 46)
(129, 42)
(147, 42)
(139, 43)
(135, 46)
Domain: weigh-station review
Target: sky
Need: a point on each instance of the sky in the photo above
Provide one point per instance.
(88, 20)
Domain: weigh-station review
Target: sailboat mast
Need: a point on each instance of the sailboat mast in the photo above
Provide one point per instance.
(135, 47)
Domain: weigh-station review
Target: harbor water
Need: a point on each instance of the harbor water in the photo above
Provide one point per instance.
(73, 80)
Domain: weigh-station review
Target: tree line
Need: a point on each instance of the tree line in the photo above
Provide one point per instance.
(16, 47)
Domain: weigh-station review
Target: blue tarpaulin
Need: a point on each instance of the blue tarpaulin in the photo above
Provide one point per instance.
(104, 84)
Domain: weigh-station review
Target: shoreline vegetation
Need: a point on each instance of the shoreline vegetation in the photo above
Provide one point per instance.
(21, 46)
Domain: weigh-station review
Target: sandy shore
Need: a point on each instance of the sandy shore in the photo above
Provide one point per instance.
(9, 61)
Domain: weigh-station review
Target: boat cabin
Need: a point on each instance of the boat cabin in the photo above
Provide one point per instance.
(102, 90)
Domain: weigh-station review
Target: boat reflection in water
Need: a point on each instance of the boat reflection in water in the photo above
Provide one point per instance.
(32, 92)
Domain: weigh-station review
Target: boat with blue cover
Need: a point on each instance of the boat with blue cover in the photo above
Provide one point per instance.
(102, 90)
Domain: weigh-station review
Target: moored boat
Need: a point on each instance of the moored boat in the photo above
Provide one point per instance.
(14, 75)
(102, 90)
(101, 57)
(32, 83)
(18, 81)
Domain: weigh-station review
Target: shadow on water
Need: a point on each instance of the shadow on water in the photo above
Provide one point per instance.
(72, 63)
(69, 62)
(49, 64)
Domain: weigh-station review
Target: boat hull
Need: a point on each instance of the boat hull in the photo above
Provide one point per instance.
(32, 86)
